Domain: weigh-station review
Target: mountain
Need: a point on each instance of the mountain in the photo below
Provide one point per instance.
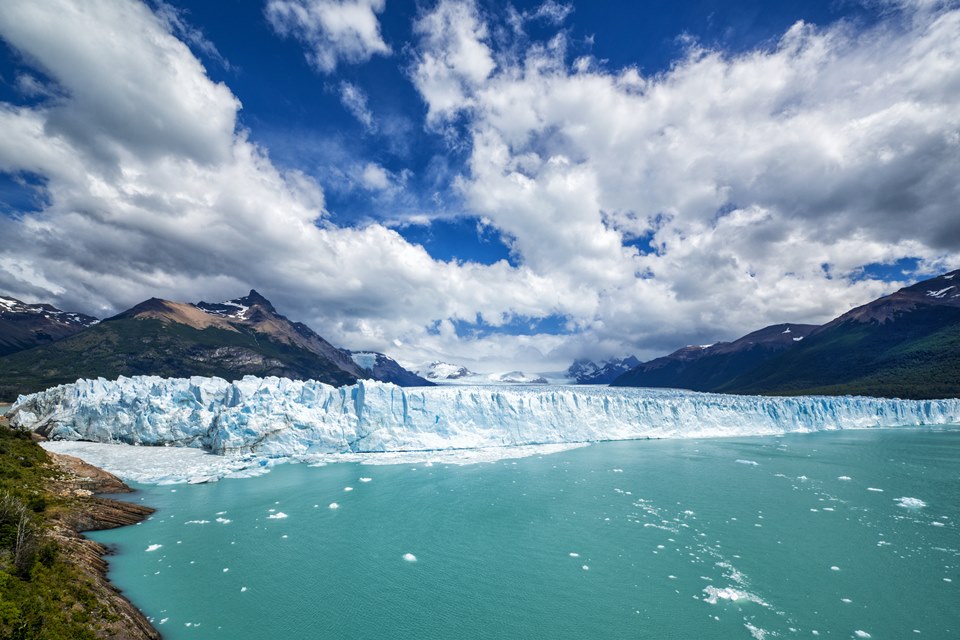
(517, 377)
(444, 371)
(906, 344)
(24, 326)
(585, 371)
(707, 367)
(385, 369)
(245, 336)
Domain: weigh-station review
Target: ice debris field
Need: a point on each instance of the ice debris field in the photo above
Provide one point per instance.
(254, 422)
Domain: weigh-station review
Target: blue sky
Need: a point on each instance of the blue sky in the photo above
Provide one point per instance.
(504, 185)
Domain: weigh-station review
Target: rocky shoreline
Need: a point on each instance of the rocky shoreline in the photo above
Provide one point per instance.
(90, 512)
(71, 488)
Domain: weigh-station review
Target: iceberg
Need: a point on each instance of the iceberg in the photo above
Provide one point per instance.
(279, 417)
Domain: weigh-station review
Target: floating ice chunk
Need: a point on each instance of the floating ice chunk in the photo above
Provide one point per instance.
(874, 489)
(834, 568)
(224, 520)
(279, 515)
(752, 463)
(756, 632)
(226, 569)
(365, 479)
(243, 589)
(846, 600)
(715, 594)
(409, 557)
(197, 522)
(348, 488)
(574, 554)
(910, 503)
(334, 505)
(153, 547)
(585, 568)
(163, 620)
(937, 524)
(844, 478)
(861, 634)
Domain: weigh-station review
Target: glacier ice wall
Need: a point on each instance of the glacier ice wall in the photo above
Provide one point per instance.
(276, 416)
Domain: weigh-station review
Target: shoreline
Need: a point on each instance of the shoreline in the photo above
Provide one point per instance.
(94, 512)
(77, 505)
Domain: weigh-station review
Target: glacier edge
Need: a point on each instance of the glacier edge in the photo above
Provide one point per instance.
(280, 417)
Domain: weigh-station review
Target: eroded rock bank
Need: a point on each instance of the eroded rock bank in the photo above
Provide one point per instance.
(55, 498)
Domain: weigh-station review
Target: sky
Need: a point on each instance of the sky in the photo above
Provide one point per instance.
(501, 185)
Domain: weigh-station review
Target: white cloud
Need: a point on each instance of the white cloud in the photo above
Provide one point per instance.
(375, 177)
(333, 30)
(551, 11)
(174, 201)
(454, 59)
(355, 101)
(748, 172)
(745, 174)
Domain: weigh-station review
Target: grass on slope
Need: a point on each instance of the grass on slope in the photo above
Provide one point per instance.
(916, 356)
(41, 595)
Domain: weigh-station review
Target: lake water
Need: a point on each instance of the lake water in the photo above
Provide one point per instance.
(849, 534)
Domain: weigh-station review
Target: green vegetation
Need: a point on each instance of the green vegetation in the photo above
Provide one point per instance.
(915, 355)
(42, 594)
(134, 346)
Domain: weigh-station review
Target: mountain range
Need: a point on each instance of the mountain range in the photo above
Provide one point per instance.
(584, 371)
(906, 344)
(23, 326)
(244, 336)
(446, 373)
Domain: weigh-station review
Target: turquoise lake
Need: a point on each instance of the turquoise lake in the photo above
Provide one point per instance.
(763, 537)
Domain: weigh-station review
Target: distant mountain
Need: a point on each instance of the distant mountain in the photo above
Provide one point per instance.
(906, 344)
(24, 326)
(437, 370)
(517, 377)
(384, 368)
(446, 373)
(585, 371)
(245, 336)
(707, 367)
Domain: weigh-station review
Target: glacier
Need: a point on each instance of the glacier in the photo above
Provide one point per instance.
(278, 417)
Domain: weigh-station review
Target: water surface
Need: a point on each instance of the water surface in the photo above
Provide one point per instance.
(798, 535)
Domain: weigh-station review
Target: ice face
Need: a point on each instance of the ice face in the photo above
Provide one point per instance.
(282, 417)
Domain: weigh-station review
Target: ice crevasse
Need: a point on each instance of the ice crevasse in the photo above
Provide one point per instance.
(278, 416)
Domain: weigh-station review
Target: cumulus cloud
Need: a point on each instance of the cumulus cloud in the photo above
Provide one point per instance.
(153, 190)
(723, 194)
(453, 60)
(730, 191)
(332, 30)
